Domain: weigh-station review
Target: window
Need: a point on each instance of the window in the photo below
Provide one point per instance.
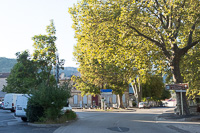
(123, 98)
(114, 98)
(75, 99)
(85, 99)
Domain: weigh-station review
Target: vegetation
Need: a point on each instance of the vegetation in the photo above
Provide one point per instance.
(190, 69)
(32, 75)
(23, 75)
(46, 102)
(151, 32)
(154, 88)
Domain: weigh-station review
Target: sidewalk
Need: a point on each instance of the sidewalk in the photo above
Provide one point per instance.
(108, 110)
(169, 115)
(186, 124)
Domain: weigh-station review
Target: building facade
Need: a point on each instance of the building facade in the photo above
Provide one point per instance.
(87, 101)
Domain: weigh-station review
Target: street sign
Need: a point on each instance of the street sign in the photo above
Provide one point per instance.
(180, 90)
(106, 90)
(181, 86)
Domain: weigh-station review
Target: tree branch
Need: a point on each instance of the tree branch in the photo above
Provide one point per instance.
(185, 49)
(162, 46)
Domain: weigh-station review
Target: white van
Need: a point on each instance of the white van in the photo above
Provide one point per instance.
(21, 105)
(10, 101)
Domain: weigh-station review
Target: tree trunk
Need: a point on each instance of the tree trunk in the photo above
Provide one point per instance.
(137, 90)
(121, 105)
(177, 78)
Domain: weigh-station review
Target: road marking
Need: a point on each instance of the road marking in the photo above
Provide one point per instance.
(9, 120)
(119, 129)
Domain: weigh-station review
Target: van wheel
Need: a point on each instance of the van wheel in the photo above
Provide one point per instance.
(24, 119)
(12, 110)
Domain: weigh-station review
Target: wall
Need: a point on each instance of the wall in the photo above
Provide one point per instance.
(2, 83)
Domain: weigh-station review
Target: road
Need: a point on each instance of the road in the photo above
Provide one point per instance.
(141, 121)
(11, 124)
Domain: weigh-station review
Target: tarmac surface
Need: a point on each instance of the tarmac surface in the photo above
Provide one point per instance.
(182, 124)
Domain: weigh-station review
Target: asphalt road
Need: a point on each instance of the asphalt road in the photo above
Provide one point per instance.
(141, 121)
(11, 124)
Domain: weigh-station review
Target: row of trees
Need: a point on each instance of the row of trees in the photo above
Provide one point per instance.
(33, 75)
(120, 41)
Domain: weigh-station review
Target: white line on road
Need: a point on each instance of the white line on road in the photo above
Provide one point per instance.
(119, 129)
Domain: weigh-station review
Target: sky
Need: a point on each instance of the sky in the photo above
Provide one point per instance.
(20, 20)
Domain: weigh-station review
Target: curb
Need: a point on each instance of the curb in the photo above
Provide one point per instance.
(107, 111)
(51, 125)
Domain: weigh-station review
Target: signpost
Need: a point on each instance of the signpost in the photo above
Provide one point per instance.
(181, 87)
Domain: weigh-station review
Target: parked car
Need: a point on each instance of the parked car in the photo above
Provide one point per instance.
(21, 105)
(1, 104)
(10, 101)
(143, 105)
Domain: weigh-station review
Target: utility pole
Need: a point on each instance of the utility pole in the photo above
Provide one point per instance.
(57, 68)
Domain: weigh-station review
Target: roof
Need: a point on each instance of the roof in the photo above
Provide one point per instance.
(4, 75)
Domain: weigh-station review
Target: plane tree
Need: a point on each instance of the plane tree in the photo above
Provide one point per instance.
(191, 74)
(168, 29)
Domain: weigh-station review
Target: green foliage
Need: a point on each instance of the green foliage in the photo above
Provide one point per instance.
(145, 33)
(134, 104)
(67, 116)
(165, 94)
(190, 71)
(45, 51)
(136, 34)
(49, 100)
(153, 87)
(71, 115)
(23, 75)
(34, 111)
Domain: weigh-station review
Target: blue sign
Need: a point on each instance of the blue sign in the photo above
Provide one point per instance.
(106, 90)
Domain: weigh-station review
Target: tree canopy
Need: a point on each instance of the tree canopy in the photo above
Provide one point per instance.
(154, 88)
(23, 75)
(148, 33)
(30, 71)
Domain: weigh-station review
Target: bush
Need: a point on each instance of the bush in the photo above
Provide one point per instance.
(34, 112)
(46, 102)
(134, 103)
(71, 115)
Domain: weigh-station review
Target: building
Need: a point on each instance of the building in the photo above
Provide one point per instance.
(3, 77)
(3, 82)
(87, 101)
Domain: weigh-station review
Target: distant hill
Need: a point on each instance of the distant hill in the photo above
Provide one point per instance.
(7, 64)
(69, 71)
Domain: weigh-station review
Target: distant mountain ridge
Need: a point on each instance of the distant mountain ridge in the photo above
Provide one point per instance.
(7, 64)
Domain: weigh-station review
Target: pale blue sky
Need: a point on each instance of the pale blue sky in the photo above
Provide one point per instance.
(20, 20)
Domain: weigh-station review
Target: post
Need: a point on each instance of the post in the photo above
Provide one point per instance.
(181, 102)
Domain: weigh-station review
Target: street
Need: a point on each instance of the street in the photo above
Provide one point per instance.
(11, 124)
(140, 121)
